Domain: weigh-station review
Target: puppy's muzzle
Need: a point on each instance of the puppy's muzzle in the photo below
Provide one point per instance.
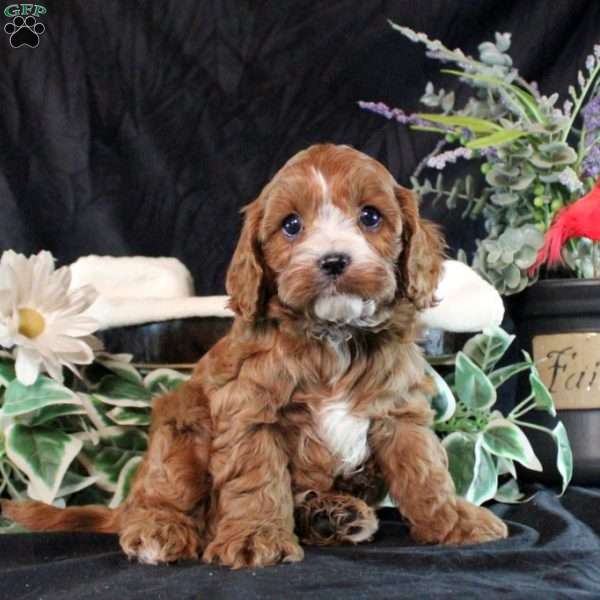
(334, 265)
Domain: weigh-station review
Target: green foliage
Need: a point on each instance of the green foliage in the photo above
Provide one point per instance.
(59, 444)
(481, 443)
(530, 153)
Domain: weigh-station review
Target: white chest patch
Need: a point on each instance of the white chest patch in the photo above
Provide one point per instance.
(345, 435)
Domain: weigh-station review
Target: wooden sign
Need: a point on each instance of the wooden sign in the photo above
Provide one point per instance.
(570, 368)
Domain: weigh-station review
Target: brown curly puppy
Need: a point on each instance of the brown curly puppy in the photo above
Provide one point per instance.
(317, 391)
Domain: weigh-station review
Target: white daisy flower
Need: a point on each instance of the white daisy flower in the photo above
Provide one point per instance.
(41, 319)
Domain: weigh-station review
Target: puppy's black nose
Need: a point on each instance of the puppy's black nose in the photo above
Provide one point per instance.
(334, 264)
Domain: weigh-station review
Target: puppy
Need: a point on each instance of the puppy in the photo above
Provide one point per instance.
(314, 403)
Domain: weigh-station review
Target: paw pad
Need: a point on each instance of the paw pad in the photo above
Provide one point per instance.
(24, 31)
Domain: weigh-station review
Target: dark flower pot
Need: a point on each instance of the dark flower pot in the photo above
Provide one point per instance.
(559, 320)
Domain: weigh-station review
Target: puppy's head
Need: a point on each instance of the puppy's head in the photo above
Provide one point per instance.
(335, 238)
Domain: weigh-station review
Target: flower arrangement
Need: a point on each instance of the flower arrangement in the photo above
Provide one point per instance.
(536, 156)
(73, 419)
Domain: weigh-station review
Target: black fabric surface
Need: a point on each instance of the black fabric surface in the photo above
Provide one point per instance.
(553, 552)
(141, 127)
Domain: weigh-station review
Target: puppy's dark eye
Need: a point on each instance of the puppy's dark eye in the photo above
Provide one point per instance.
(370, 217)
(291, 225)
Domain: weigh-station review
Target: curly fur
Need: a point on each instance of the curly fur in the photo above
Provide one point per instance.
(251, 441)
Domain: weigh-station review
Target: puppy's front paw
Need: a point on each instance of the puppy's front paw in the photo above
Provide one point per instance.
(267, 545)
(152, 538)
(463, 524)
(476, 525)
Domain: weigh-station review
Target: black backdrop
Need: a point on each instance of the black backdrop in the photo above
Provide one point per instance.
(141, 127)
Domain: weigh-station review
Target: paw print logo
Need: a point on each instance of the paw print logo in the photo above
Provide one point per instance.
(24, 31)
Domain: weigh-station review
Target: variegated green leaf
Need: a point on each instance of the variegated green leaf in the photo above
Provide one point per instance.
(96, 410)
(509, 493)
(72, 483)
(460, 448)
(129, 416)
(506, 466)
(503, 438)
(499, 376)
(161, 381)
(485, 480)
(118, 392)
(471, 467)
(488, 347)
(564, 457)
(20, 399)
(471, 384)
(44, 455)
(542, 395)
(106, 463)
(120, 365)
(48, 413)
(125, 481)
(442, 401)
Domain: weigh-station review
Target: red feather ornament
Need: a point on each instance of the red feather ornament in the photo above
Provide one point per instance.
(580, 219)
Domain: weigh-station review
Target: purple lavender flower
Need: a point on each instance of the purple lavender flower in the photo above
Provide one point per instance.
(380, 108)
(591, 124)
(450, 156)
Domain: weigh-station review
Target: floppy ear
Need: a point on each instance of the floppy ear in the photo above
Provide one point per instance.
(244, 281)
(420, 263)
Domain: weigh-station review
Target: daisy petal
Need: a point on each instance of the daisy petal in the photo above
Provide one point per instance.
(75, 326)
(27, 365)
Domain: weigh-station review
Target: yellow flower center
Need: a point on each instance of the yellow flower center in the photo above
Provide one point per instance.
(31, 322)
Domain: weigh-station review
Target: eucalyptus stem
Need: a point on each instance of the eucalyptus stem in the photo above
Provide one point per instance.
(595, 260)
